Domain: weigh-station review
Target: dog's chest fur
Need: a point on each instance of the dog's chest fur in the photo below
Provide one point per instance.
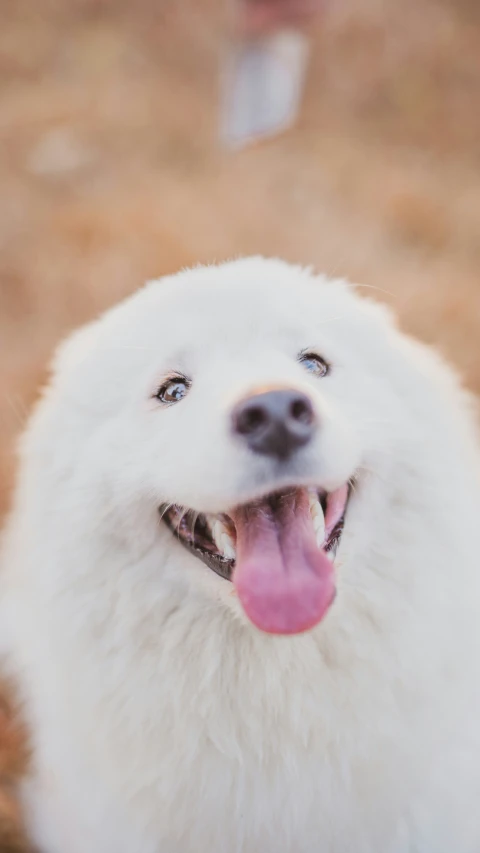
(285, 744)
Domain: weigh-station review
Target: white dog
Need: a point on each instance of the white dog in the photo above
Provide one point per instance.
(233, 454)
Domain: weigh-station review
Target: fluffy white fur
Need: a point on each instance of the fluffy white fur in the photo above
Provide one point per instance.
(161, 720)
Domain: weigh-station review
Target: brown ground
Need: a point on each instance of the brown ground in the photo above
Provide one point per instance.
(110, 173)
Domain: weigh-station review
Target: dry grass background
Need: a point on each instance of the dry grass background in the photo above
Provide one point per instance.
(110, 173)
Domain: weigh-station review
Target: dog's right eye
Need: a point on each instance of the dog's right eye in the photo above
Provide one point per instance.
(172, 391)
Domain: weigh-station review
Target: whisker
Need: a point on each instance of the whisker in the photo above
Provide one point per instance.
(18, 408)
(374, 287)
(375, 473)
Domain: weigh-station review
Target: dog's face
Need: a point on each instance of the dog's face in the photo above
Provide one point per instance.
(235, 408)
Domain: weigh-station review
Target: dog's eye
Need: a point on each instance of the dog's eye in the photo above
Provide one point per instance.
(173, 390)
(314, 364)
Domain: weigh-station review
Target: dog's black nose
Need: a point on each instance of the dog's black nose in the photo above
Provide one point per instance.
(275, 423)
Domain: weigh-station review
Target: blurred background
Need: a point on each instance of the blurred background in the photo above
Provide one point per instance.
(111, 171)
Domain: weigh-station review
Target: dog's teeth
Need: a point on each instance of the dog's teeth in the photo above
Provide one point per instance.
(222, 539)
(228, 548)
(317, 516)
(216, 529)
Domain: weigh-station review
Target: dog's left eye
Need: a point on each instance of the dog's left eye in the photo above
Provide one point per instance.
(172, 391)
(314, 364)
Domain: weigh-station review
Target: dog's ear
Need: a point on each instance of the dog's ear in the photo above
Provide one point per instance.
(74, 349)
(372, 306)
(357, 304)
(378, 312)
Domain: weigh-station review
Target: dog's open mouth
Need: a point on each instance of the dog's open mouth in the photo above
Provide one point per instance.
(278, 551)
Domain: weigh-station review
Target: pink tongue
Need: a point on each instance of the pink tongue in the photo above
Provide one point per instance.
(284, 580)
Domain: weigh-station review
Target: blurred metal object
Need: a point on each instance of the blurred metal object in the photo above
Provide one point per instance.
(262, 86)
